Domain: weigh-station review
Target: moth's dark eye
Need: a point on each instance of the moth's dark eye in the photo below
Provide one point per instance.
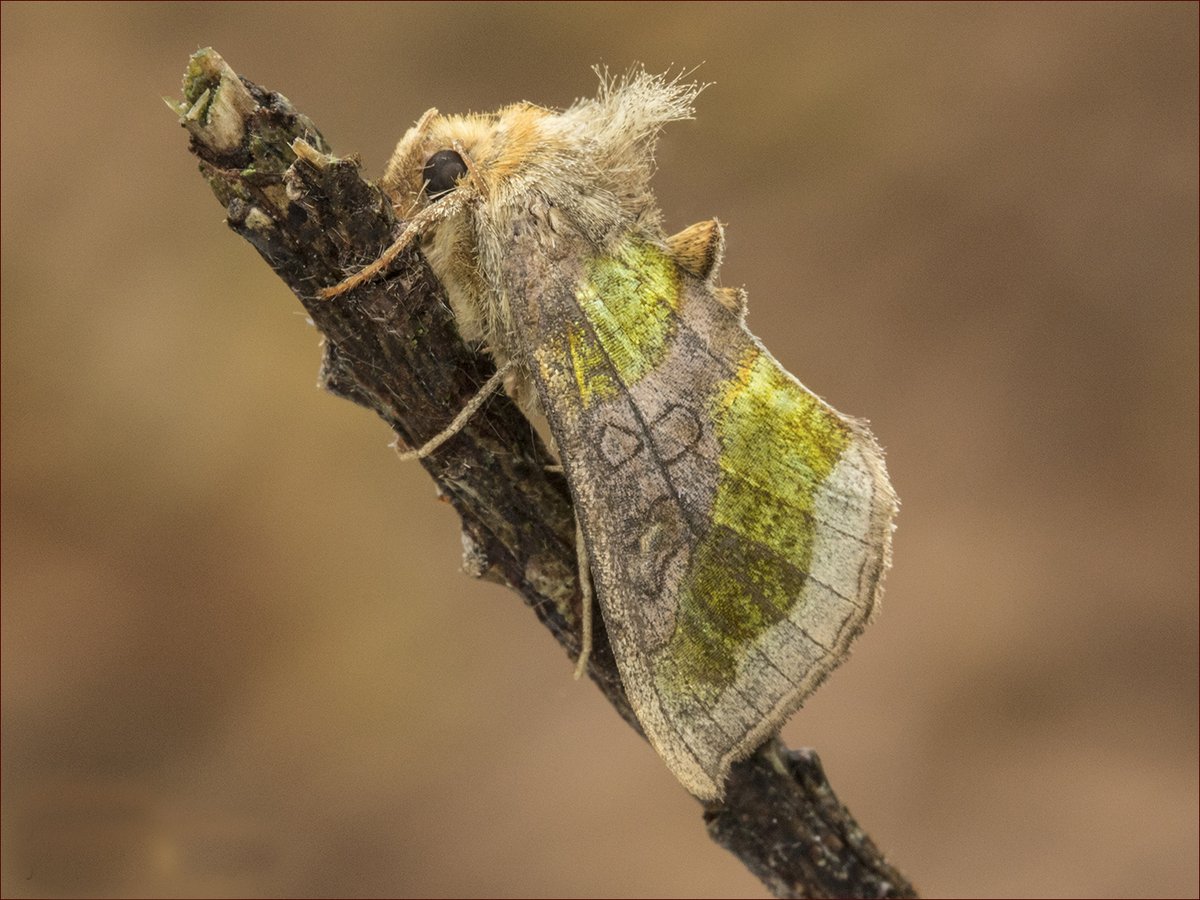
(441, 172)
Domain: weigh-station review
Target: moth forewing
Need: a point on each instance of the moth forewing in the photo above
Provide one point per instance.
(737, 526)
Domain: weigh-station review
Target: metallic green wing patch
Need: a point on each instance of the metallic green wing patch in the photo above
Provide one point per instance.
(629, 301)
(777, 444)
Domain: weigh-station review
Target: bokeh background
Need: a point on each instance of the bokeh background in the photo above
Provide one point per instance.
(239, 657)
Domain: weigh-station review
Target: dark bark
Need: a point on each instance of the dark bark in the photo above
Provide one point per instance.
(392, 347)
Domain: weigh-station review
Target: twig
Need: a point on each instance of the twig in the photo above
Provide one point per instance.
(391, 346)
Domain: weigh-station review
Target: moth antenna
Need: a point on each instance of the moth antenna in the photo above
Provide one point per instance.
(461, 419)
(472, 169)
(449, 206)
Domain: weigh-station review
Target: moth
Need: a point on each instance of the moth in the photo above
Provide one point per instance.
(737, 528)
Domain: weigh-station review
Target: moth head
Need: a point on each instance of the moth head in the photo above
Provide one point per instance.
(593, 160)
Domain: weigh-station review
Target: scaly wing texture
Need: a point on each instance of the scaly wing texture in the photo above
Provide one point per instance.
(738, 527)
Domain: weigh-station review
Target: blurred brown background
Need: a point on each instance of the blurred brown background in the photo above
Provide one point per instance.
(238, 654)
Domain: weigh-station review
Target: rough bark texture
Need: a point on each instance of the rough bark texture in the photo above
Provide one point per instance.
(392, 347)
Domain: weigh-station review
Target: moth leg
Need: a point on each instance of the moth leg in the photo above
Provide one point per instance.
(446, 208)
(460, 420)
(586, 601)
